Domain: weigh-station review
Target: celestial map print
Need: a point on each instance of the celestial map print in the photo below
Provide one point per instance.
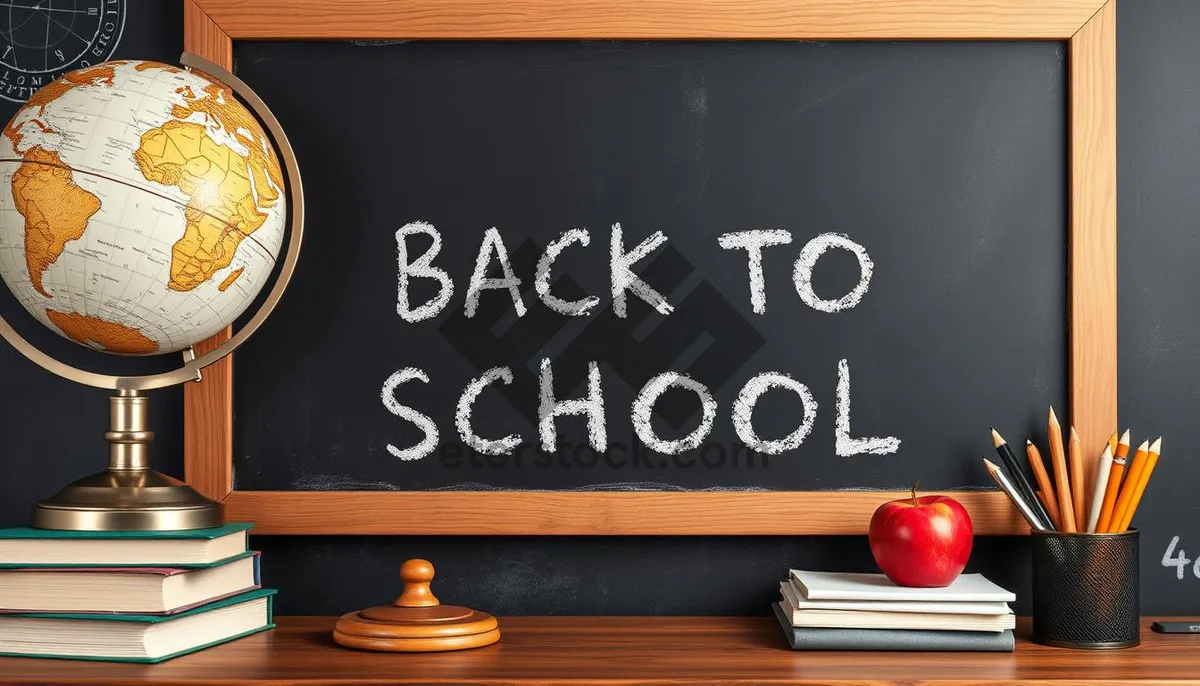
(40, 40)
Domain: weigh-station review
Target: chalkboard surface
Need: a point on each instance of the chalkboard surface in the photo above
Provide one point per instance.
(945, 162)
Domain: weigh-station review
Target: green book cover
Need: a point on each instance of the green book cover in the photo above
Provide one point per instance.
(267, 593)
(119, 566)
(28, 532)
(151, 619)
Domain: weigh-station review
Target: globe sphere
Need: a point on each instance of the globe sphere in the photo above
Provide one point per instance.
(142, 207)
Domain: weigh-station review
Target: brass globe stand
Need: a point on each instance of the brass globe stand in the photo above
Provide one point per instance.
(129, 496)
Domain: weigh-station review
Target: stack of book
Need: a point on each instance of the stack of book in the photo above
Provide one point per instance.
(847, 611)
(128, 596)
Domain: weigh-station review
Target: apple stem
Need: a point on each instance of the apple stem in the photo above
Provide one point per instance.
(914, 492)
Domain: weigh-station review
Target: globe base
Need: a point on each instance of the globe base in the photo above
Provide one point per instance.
(128, 500)
(128, 496)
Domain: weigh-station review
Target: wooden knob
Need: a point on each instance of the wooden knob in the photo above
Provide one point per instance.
(416, 575)
(416, 622)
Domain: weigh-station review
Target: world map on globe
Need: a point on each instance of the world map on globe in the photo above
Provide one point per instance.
(142, 207)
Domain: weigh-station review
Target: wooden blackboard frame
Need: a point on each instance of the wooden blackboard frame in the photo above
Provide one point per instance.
(1088, 27)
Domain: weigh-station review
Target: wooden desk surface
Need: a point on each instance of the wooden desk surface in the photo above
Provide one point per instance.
(625, 650)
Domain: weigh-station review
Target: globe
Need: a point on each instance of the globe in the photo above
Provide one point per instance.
(142, 207)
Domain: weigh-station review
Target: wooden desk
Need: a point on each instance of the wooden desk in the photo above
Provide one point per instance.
(625, 650)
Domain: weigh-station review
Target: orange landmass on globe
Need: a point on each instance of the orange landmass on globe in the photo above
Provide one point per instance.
(233, 276)
(226, 190)
(15, 136)
(55, 208)
(111, 336)
(220, 106)
(146, 66)
(99, 74)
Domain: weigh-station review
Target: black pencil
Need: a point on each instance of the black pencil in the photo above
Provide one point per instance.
(1020, 480)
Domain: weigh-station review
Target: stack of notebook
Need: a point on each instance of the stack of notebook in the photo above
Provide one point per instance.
(845, 611)
(129, 596)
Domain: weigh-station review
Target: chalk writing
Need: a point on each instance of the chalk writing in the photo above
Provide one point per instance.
(623, 281)
(1180, 560)
(592, 407)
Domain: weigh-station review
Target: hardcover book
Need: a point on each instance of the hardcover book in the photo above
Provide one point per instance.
(855, 586)
(26, 547)
(884, 619)
(134, 590)
(804, 638)
(135, 638)
(795, 599)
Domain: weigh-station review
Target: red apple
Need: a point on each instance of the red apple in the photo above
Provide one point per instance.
(923, 542)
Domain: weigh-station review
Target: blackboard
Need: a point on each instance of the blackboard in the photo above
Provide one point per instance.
(946, 161)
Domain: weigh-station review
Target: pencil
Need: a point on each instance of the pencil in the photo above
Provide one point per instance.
(1062, 484)
(1112, 450)
(1078, 487)
(1127, 489)
(1114, 483)
(1047, 504)
(1005, 485)
(1151, 461)
(1043, 479)
(1017, 476)
(1102, 471)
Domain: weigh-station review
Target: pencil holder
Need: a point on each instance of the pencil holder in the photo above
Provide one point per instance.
(1085, 590)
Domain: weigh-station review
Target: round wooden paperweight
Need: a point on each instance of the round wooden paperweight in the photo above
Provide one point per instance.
(416, 622)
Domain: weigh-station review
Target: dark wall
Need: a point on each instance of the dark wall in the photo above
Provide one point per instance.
(1159, 202)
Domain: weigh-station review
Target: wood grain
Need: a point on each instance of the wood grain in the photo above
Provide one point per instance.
(658, 19)
(208, 404)
(1093, 233)
(589, 513)
(202, 36)
(208, 425)
(611, 651)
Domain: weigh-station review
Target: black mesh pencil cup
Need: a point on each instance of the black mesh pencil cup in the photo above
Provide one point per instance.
(1085, 589)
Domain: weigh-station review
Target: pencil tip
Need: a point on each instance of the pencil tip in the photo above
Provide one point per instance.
(1107, 454)
(991, 466)
(1074, 434)
(1028, 442)
(997, 438)
(1144, 446)
(1156, 447)
(1125, 437)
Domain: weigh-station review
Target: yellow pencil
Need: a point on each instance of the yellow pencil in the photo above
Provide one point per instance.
(1151, 461)
(1114, 483)
(1062, 484)
(1043, 481)
(1128, 488)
